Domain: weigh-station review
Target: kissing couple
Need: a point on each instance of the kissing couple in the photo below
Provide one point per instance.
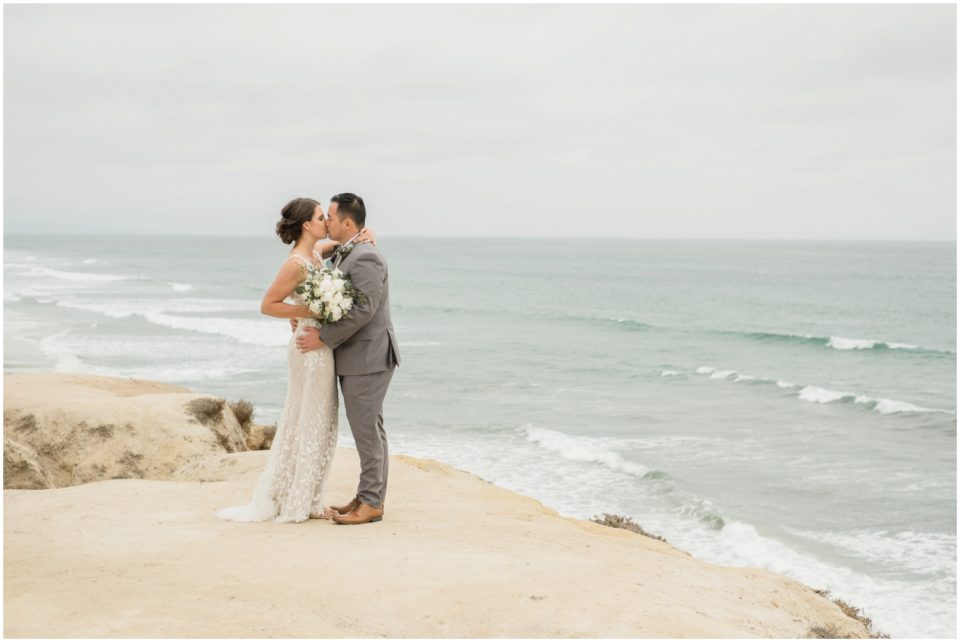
(359, 348)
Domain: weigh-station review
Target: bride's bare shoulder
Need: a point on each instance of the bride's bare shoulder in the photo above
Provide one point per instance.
(293, 264)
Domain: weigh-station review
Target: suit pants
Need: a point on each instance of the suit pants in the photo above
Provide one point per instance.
(363, 397)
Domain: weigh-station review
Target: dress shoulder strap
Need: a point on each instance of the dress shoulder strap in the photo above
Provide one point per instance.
(297, 256)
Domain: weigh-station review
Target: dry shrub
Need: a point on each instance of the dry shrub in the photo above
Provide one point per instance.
(207, 410)
(829, 632)
(850, 611)
(622, 521)
(243, 411)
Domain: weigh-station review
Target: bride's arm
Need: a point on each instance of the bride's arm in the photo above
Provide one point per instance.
(325, 248)
(287, 279)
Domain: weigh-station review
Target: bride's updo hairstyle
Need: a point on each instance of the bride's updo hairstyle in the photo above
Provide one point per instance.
(292, 217)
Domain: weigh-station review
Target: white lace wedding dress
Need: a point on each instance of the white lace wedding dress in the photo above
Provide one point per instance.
(291, 486)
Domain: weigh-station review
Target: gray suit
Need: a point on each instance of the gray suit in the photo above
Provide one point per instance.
(366, 352)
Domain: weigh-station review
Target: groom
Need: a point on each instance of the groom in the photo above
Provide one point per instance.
(365, 351)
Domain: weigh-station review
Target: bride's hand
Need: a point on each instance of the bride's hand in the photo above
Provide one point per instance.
(367, 236)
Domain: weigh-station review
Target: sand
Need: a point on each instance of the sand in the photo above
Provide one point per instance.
(455, 556)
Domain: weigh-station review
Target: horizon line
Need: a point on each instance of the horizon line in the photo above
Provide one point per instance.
(494, 238)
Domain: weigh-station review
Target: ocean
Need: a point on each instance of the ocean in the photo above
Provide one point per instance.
(787, 405)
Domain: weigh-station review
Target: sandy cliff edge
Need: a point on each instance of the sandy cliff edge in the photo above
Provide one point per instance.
(454, 557)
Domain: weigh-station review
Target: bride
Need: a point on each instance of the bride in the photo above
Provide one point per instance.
(291, 486)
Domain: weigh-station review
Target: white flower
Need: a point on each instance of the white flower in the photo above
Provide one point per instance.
(328, 294)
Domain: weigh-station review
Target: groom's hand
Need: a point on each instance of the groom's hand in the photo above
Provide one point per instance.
(309, 340)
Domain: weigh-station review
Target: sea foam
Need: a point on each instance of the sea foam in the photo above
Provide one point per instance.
(77, 277)
(122, 308)
(842, 343)
(255, 332)
(834, 342)
(922, 553)
(815, 394)
(822, 395)
(881, 405)
(585, 449)
(896, 606)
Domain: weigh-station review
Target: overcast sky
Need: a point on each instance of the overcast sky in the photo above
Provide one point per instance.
(683, 121)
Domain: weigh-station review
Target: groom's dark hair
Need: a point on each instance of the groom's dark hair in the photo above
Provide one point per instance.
(351, 206)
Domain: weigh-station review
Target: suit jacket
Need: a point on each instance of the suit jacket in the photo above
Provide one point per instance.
(365, 342)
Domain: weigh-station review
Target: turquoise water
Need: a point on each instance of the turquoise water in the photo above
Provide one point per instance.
(785, 405)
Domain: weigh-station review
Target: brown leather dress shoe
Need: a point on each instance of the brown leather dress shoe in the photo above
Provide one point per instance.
(361, 515)
(354, 503)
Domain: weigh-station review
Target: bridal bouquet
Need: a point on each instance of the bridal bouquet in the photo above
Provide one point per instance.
(329, 294)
